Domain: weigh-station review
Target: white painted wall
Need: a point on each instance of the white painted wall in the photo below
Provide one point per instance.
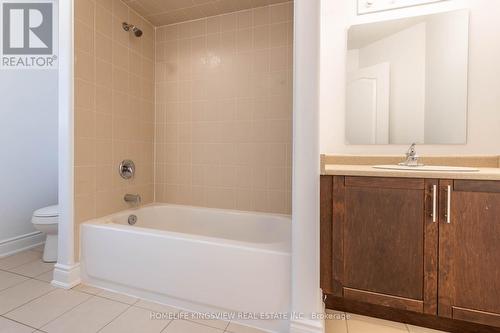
(28, 151)
(352, 60)
(405, 52)
(484, 76)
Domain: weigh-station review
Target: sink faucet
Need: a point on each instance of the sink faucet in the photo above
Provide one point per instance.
(411, 157)
(133, 198)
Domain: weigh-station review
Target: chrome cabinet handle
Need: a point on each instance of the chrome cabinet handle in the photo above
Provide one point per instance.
(447, 215)
(434, 203)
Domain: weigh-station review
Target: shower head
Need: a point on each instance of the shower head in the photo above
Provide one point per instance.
(137, 32)
(130, 27)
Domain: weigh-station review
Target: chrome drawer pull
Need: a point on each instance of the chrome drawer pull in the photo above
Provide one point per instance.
(434, 203)
(448, 205)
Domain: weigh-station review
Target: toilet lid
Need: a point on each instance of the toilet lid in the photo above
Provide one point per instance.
(51, 211)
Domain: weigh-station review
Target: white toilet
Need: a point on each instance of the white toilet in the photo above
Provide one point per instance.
(46, 220)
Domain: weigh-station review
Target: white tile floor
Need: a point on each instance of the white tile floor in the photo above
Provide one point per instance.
(28, 303)
(351, 323)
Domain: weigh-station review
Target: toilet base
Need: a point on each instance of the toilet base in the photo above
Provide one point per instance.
(50, 250)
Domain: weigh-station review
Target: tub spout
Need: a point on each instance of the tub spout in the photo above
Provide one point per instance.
(133, 198)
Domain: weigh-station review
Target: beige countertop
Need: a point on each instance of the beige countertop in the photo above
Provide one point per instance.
(369, 171)
(353, 165)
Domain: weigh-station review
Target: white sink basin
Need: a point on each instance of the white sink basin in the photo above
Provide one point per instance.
(426, 168)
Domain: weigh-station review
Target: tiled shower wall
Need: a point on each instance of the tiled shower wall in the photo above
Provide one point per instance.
(222, 133)
(224, 111)
(114, 107)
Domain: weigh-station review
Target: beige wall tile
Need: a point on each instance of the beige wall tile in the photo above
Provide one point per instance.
(84, 40)
(261, 16)
(84, 207)
(120, 10)
(103, 72)
(85, 180)
(103, 20)
(85, 154)
(84, 11)
(281, 12)
(104, 46)
(229, 22)
(114, 107)
(103, 99)
(84, 94)
(223, 122)
(120, 56)
(85, 123)
(278, 34)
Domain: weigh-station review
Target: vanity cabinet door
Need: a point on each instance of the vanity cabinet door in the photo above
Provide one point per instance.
(388, 242)
(469, 251)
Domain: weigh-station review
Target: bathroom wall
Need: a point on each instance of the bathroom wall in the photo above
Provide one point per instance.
(114, 107)
(224, 111)
(28, 107)
(483, 116)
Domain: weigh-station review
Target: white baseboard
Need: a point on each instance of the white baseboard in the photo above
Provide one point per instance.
(20, 243)
(307, 326)
(66, 277)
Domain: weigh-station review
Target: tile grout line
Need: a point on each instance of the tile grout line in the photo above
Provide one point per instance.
(121, 302)
(201, 324)
(62, 314)
(18, 274)
(164, 330)
(180, 310)
(87, 292)
(198, 323)
(17, 307)
(229, 322)
(17, 321)
(31, 300)
(26, 263)
(16, 284)
(27, 276)
(117, 316)
(37, 277)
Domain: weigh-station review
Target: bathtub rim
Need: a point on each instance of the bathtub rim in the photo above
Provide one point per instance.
(277, 248)
(287, 217)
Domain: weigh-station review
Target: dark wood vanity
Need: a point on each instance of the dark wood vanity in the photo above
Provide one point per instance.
(415, 250)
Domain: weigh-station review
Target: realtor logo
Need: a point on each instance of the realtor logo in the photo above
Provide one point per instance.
(28, 35)
(27, 28)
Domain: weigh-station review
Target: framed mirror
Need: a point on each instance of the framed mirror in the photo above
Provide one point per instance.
(407, 80)
(372, 6)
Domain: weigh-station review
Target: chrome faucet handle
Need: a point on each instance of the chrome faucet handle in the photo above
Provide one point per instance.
(412, 151)
(127, 169)
(411, 157)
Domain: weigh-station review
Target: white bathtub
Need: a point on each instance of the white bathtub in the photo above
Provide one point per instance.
(197, 259)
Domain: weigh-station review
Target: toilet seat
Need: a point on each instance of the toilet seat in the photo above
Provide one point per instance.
(46, 215)
(51, 211)
(45, 220)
